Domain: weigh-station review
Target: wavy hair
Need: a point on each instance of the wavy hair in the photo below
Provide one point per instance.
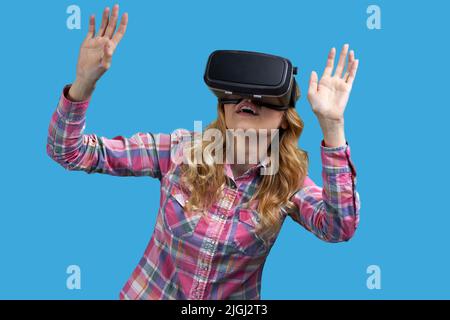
(205, 178)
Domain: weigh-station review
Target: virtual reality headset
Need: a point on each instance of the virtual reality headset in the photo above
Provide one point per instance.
(267, 80)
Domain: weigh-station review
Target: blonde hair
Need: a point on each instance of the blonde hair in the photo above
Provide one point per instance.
(273, 191)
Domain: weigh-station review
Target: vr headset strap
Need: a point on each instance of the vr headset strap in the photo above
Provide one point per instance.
(294, 89)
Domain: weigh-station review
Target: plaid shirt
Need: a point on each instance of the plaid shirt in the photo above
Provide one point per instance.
(217, 256)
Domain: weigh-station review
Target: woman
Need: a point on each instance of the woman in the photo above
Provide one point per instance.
(217, 221)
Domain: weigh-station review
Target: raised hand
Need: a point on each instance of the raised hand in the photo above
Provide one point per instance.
(96, 52)
(329, 96)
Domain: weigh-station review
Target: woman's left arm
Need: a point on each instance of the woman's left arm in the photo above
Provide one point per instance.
(331, 212)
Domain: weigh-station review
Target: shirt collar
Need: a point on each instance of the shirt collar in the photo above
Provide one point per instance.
(263, 163)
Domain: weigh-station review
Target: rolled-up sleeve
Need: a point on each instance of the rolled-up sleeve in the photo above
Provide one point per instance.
(143, 154)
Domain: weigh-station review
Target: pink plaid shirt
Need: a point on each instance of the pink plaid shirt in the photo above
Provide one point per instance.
(214, 257)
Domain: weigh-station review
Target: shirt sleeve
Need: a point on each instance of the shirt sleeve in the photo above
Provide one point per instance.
(330, 212)
(142, 154)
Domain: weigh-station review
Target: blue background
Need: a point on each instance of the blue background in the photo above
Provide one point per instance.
(396, 124)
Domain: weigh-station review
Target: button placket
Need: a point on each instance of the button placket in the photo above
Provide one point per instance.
(210, 244)
(204, 268)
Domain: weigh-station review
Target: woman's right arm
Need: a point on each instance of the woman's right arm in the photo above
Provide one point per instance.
(143, 154)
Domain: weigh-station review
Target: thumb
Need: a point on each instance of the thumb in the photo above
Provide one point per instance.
(313, 82)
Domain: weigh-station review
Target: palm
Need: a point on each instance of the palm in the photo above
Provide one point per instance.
(329, 96)
(90, 65)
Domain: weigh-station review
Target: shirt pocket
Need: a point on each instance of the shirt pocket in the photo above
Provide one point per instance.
(245, 238)
(180, 223)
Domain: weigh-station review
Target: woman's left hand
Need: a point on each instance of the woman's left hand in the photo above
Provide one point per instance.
(329, 96)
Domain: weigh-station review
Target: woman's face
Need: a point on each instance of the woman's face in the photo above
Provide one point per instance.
(263, 117)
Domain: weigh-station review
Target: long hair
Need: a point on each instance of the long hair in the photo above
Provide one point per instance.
(206, 178)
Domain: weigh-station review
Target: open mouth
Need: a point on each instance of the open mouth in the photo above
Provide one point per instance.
(247, 108)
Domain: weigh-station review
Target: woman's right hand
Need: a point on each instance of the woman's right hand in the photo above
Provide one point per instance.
(96, 52)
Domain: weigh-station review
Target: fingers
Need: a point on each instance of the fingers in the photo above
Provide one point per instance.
(330, 63)
(91, 30)
(341, 62)
(112, 22)
(105, 20)
(352, 73)
(351, 59)
(313, 83)
(121, 30)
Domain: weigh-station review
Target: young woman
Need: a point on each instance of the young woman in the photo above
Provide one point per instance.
(217, 221)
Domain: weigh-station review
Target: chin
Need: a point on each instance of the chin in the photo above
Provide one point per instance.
(243, 125)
